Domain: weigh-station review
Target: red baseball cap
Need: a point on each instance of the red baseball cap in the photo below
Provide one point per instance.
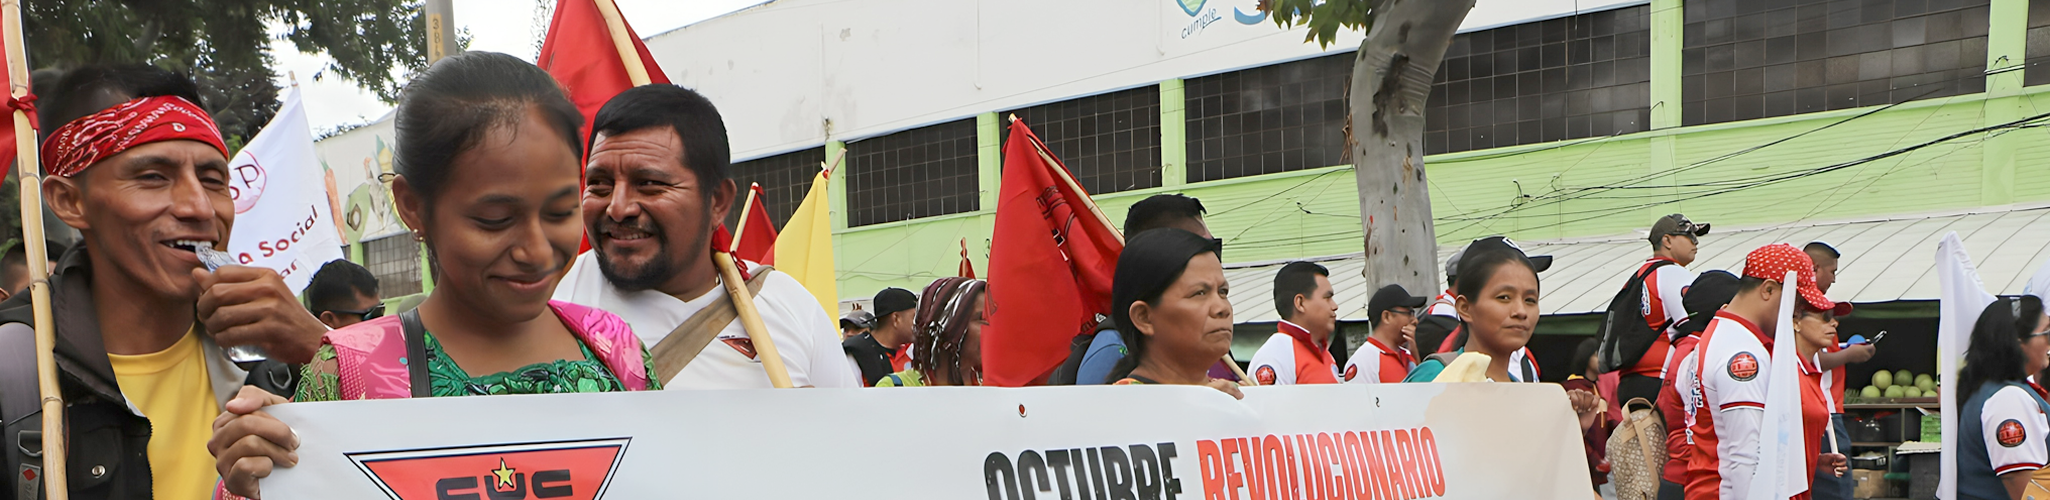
(1771, 262)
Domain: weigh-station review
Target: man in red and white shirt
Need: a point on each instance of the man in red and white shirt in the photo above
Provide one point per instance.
(1828, 486)
(1301, 352)
(1680, 395)
(1732, 358)
(1387, 357)
(1674, 241)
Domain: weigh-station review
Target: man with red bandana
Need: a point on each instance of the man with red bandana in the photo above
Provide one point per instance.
(140, 170)
(1301, 352)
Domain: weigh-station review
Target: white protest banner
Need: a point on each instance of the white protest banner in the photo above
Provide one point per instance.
(282, 211)
(1963, 298)
(1400, 441)
(1782, 472)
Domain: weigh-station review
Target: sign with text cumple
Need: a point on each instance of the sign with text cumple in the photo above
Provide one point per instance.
(283, 217)
(1392, 441)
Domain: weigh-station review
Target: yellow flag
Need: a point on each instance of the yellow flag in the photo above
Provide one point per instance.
(804, 249)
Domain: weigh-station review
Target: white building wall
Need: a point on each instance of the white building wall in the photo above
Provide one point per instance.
(791, 74)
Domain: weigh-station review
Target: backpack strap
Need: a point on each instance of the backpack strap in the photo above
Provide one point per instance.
(416, 353)
(682, 345)
(21, 410)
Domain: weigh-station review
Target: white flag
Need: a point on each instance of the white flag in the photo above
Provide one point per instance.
(282, 219)
(1963, 298)
(2039, 285)
(1782, 442)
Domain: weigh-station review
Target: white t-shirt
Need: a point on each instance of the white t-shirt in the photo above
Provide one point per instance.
(1733, 372)
(805, 335)
(2013, 430)
(1663, 290)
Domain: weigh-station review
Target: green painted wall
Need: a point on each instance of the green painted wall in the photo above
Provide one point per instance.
(1588, 187)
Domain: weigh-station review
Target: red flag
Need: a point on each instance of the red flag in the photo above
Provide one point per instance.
(1050, 265)
(580, 54)
(757, 238)
(967, 266)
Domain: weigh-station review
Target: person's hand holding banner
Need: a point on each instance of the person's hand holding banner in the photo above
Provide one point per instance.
(243, 305)
(248, 443)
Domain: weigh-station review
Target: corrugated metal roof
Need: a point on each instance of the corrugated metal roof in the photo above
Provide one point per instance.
(1886, 259)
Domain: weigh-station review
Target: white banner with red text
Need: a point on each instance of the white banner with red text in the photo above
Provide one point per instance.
(1353, 441)
(284, 219)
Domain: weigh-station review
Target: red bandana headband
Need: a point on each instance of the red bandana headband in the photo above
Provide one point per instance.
(88, 140)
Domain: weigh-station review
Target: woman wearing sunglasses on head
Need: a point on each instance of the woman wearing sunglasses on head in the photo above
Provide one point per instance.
(342, 294)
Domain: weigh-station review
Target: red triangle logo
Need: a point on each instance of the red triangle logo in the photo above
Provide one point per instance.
(567, 470)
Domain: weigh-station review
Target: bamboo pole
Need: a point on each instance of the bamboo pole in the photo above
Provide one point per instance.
(1061, 170)
(28, 167)
(746, 209)
(616, 26)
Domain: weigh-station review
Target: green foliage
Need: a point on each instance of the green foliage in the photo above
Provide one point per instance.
(221, 43)
(1324, 17)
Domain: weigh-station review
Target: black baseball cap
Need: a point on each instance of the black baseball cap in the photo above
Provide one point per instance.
(858, 319)
(1708, 294)
(1676, 224)
(1390, 297)
(891, 300)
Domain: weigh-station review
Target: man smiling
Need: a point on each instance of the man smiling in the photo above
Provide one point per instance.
(139, 169)
(655, 189)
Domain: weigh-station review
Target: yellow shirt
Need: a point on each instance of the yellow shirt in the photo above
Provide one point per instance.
(172, 389)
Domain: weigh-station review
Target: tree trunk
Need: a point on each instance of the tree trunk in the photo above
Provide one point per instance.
(1391, 78)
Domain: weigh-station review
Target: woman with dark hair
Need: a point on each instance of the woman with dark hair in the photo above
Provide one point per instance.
(947, 347)
(1498, 309)
(1589, 404)
(488, 176)
(2003, 422)
(1169, 294)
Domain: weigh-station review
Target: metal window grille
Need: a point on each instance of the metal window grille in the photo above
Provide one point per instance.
(1578, 76)
(2038, 51)
(785, 179)
(922, 172)
(395, 260)
(1110, 141)
(1276, 118)
(1744, 59)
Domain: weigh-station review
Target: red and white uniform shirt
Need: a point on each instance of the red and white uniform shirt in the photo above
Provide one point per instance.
(2013, 428)
(1677, 402)
(1375, 363)
(1732, 361)
(1662, 291)
(1445, 304)
(1291, 357)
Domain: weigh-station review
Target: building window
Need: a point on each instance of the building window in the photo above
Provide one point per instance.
(1744, 59)
(395, 261)
(785, 179)
(2038, 45)
(1111, 142)
(916, 173)
(1579, 76)
(1277, 118)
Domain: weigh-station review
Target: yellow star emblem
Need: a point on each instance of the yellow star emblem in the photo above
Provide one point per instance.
(505, 474)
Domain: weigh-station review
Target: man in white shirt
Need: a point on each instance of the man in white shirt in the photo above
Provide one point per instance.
(1674, 244)
(656, 188)
(1300, 353)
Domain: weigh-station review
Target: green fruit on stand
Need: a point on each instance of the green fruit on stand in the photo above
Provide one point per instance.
(1896, 392)
(1904, 377)
(1912, 393)
(1925, 384)
(1882, 379)
(1871, 392)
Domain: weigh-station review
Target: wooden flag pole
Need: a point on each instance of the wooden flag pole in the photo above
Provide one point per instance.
(1061, 171)
(616, 26)
(740, 230)
(28, 168)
